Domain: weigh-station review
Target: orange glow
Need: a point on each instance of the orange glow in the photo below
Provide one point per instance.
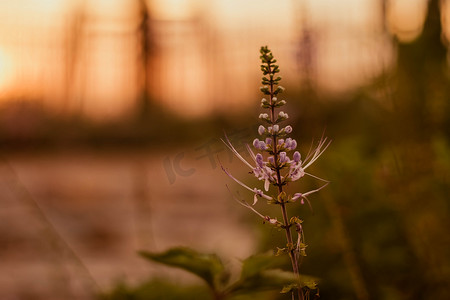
(406, 18)
(46, 6)
(445, 6)
(6, 72)
(86, 54)
(172, 9)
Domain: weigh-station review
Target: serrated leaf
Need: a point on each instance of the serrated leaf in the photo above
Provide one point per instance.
(209, 267)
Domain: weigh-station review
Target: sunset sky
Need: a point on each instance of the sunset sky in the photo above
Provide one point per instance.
(36, 46)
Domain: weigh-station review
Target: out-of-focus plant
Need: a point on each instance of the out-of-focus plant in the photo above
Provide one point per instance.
(260, 273)
(277, 167)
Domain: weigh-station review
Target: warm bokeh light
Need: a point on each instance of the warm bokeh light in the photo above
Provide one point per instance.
(173, 9)
(406, 18)
(89, 52)
(446, 19)
(86, 52)
(6, 70)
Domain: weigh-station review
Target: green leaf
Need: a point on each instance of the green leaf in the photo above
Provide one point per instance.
(273, 279)
(265, 90)
(261, 273)
(261, 262)
(289, 288)
(309, 281)
(206, 266)
(156, 289)
(305, 281)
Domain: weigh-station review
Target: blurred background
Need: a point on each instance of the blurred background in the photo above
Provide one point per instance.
(111, 114)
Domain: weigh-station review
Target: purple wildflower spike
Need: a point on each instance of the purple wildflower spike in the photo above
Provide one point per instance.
(275, 167)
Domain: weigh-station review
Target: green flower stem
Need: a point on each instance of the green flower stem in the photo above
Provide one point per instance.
(287, 225)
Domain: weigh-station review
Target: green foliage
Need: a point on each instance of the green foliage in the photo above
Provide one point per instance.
(206, 266)
(260, 262)
(259, 273)
(157, 289)
(263, 280)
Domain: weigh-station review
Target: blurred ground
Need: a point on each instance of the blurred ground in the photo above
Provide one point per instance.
(72, 221)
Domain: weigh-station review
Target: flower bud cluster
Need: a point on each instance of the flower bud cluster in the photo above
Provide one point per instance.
(260, 145)
(274, 102)
(265, 117)
(276, 161)
(276, 144)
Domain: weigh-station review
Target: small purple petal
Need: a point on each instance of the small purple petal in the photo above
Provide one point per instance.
(296, 196)
(297, 156)
(288, 142)
(273, 221)
(261, 130)
(282, 157)
(288, 129)
(296, 172)
(262, 145)
(259, 160)
(293, 145)
(255, 143)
